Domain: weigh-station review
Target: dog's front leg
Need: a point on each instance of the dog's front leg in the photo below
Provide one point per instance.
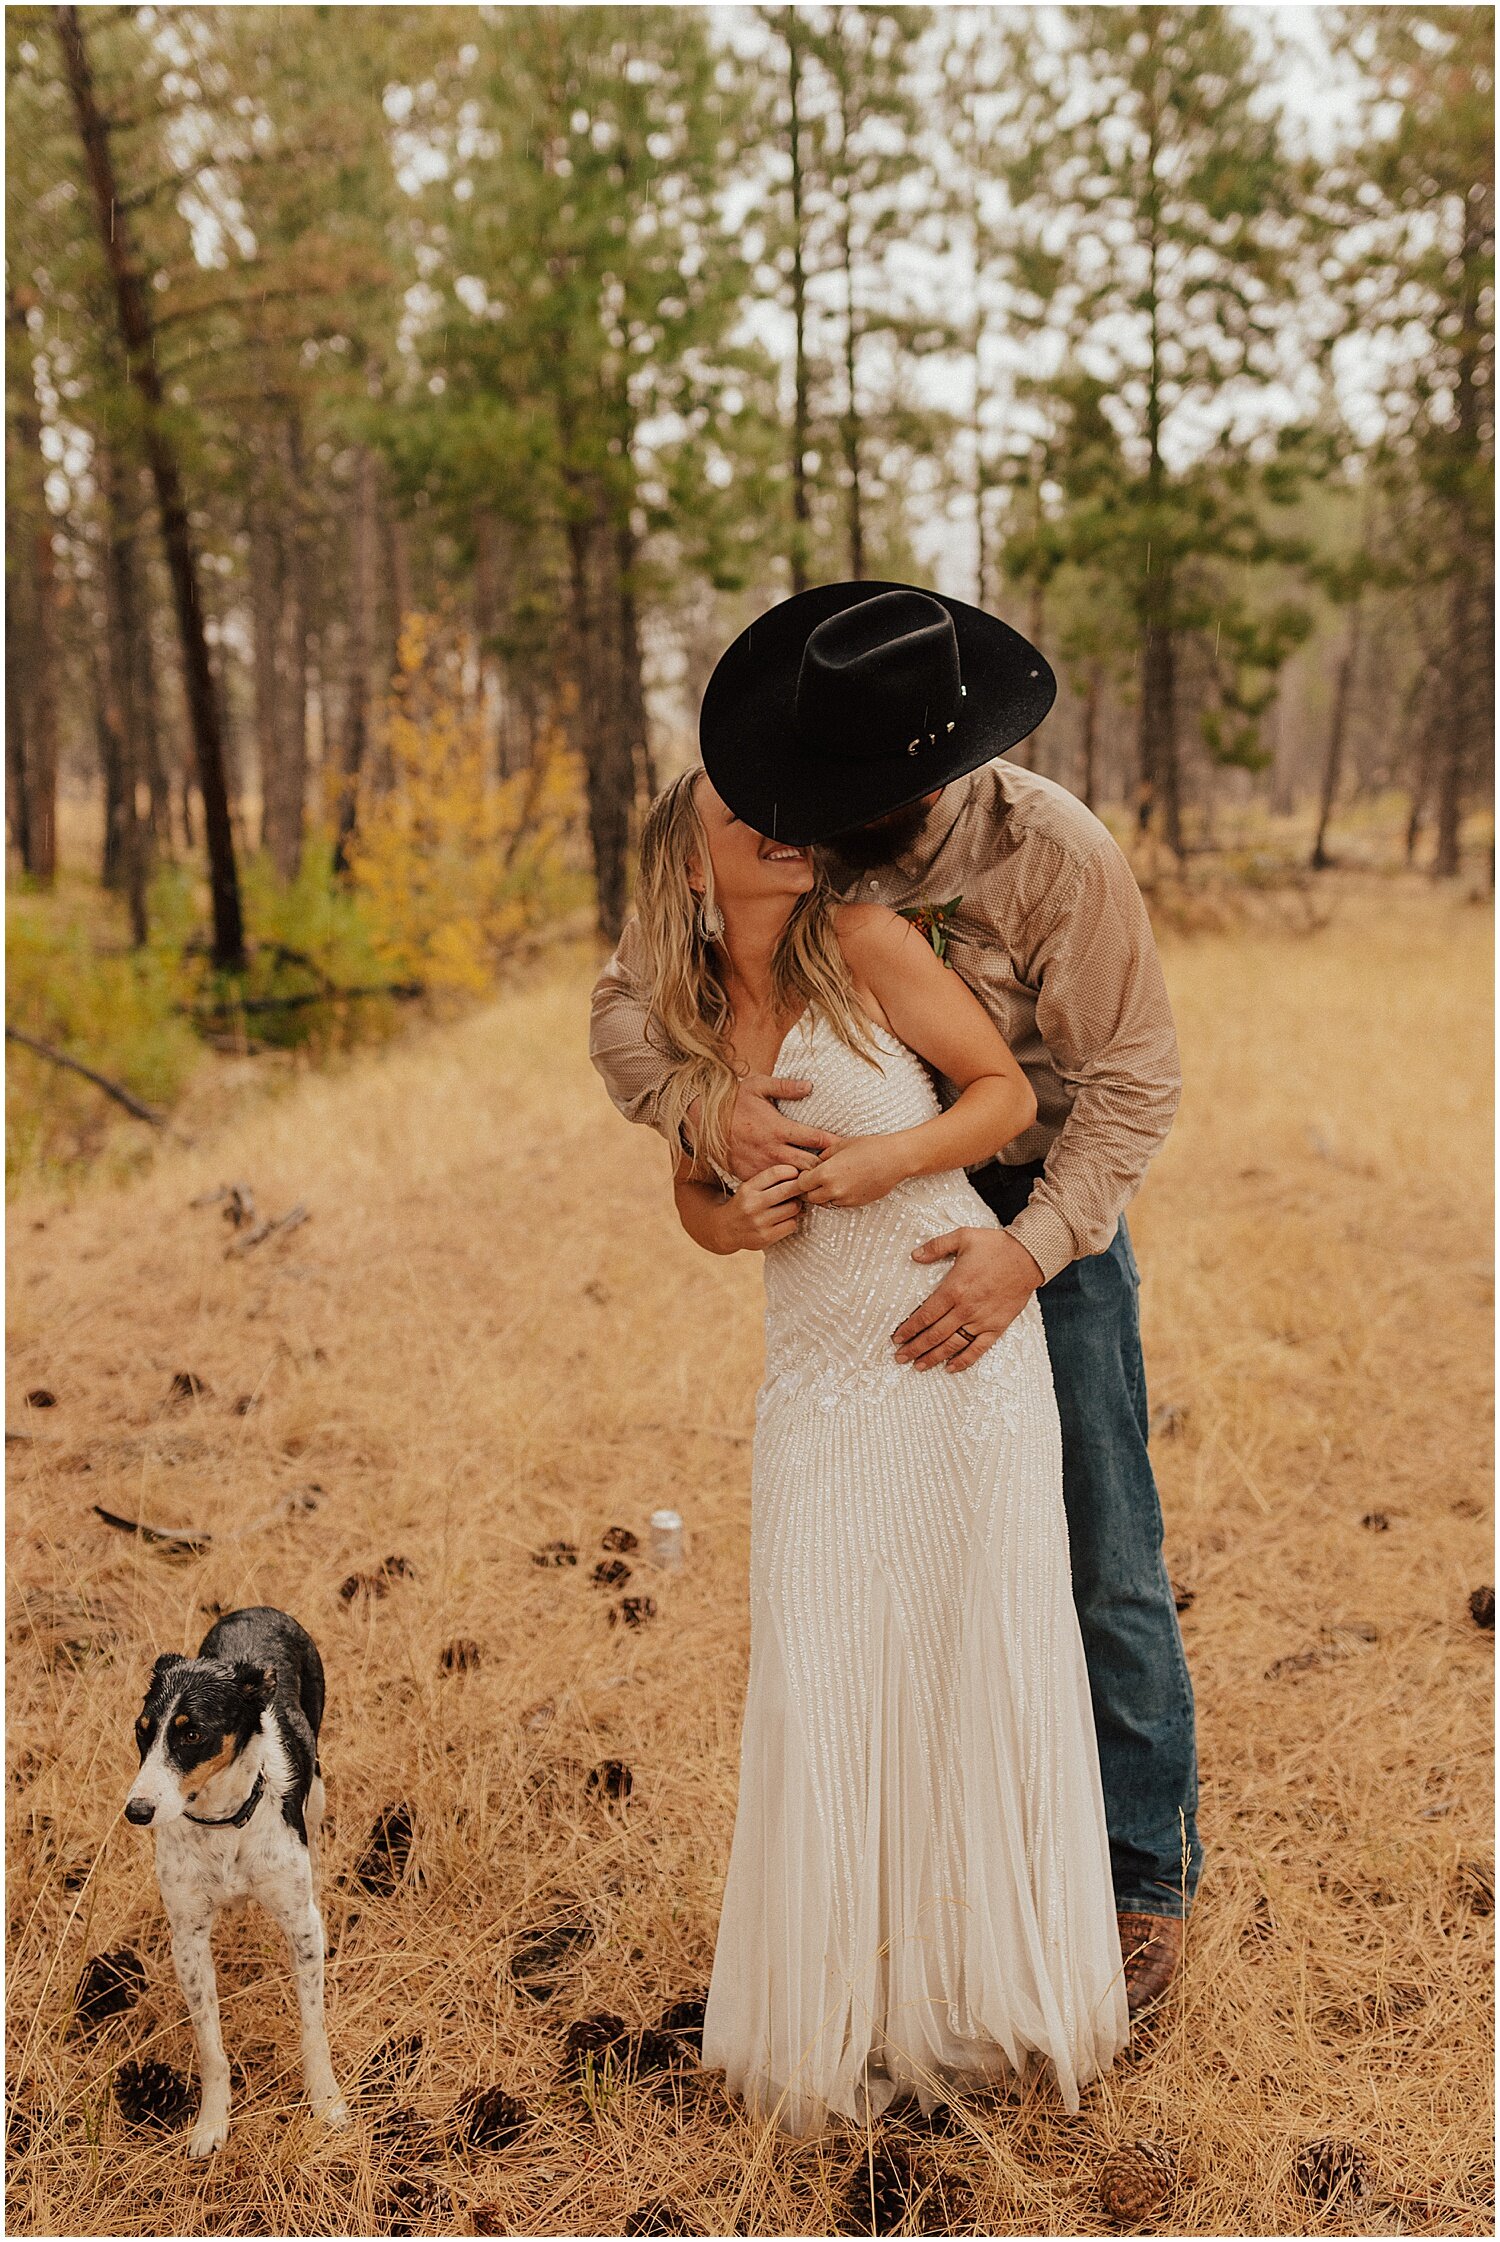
(193, 1957)
(297, 1913)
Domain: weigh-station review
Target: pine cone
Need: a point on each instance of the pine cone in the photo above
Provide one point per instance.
(408, 2202)
(658, 2218)
(406, 2137)
(394, 2059)
(382, 1864)
(1135, 2181)
(1482, 1608)
(587, 2040)
(634, 1610)
(1330, 2171)
(537, 1964)
(488, 2118)
(882, 2192)
(620, 1539)
(1376, 1521)
(610, 1779)
(399, 1568)
(649, 2051)
(949, 2207)
(488, 2218)
(461, 1656)
(363, 1584)
(110, 1984)
(610, 1572)
(685, 2018)
(556, 1553)
(152, 2095)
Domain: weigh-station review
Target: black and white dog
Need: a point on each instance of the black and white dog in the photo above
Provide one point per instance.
(229, 1780)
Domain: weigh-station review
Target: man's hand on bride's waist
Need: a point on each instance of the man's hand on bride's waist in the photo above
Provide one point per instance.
(990, 1282)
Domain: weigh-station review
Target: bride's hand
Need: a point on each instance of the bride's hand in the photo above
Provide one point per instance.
(858, 1171)
(761, 1212)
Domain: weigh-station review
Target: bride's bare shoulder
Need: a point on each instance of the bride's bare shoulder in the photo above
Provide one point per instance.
(869, 928)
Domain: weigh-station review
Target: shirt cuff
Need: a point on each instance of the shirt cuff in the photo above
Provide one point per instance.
(1046, 1237)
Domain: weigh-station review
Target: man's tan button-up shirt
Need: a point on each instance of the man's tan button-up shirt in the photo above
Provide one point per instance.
(1052, 935)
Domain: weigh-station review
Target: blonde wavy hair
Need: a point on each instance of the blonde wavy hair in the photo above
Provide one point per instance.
(691, 1014)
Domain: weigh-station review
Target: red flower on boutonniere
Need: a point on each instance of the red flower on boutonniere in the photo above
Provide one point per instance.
(933, 920)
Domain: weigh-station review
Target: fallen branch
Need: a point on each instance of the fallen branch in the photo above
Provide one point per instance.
(291, 1220)
(115, 1090)
(187, 1542)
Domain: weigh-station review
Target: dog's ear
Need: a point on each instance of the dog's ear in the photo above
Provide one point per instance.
(256, 1684)
(164, 1664)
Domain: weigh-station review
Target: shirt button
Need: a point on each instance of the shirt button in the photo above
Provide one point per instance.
(875, 886)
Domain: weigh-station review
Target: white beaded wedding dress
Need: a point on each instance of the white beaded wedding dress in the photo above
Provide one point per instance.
(918, 1894)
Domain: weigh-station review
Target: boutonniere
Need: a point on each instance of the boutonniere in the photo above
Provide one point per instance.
(934, 920)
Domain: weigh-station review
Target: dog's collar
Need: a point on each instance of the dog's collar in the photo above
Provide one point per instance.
(240, 1816)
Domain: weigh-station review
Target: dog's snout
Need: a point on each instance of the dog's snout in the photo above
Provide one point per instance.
(139, 1811)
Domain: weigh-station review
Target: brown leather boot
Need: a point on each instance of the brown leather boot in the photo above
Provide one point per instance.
(1151, 1949)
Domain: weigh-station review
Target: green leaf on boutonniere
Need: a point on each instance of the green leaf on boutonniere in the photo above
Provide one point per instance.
(934, 921)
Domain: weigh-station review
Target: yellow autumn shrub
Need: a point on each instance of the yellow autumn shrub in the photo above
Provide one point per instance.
(453, 863)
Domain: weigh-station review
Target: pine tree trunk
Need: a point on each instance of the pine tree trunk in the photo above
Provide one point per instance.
(1089, 743)
(17, 808)
(34, 608)
(1333, 763)
(632, 686)
(1160, 799)
(601, 727)
(801, 507)
(147, 697)
(288, 807)
(1456, 747)
(139, 344)
(266, 570)
(850, 430)
(123, 622)
(362, 562)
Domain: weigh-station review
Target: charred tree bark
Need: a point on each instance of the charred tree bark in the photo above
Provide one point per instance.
(138, 341)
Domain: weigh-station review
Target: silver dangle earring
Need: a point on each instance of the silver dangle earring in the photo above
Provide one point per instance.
(710, 922)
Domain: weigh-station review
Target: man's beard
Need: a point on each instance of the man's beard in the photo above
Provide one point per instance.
(882, 842)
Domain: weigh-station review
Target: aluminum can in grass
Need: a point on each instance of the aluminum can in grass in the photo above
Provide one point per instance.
(666, 1540)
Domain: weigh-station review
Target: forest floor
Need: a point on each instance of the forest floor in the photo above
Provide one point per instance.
(490, 1335)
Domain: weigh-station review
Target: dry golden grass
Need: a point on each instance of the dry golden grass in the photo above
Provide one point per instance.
(490, 1335)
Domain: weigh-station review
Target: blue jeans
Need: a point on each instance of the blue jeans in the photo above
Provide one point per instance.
(1138, 1677)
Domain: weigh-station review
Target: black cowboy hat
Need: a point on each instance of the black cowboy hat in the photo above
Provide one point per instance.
(851, 700)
